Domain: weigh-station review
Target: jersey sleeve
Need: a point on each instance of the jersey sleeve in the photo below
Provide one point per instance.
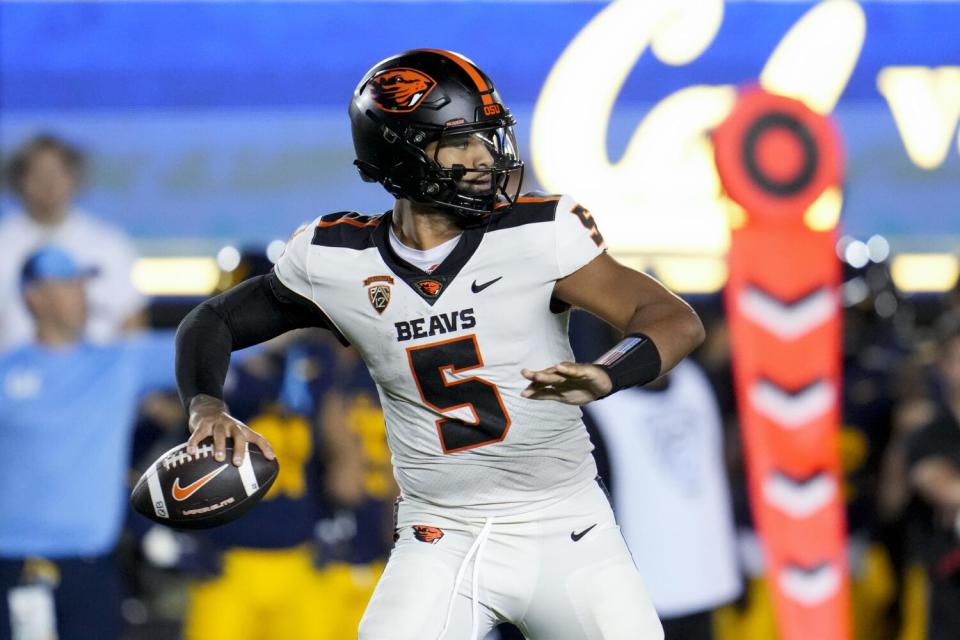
(292, 268)
(578, 238)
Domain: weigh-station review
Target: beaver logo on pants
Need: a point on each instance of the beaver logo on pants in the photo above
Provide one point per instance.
(425, 533)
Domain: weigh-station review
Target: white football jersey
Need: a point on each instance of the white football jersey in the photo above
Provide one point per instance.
(446, 348)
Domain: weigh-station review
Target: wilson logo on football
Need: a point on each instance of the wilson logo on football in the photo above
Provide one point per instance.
(429, 287)
(182, 493)
(378, 292)
(425, 533)
(400, 90)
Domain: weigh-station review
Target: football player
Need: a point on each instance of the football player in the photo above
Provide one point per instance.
(458, 299)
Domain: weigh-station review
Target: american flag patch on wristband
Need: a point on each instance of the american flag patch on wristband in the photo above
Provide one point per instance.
(619, 350)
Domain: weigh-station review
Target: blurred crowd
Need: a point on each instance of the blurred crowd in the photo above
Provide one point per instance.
(88, 400)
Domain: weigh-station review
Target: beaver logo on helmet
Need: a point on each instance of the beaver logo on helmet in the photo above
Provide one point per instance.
(404, 103)
(425, 533)
(400, 90)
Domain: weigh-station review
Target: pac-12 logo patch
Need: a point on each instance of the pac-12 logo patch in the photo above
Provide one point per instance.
(426, 533)
(378, 292)
(400, 90)
(429, 287)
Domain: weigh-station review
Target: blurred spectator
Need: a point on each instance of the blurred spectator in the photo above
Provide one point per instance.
(263, 583)
(357, 536)
(660, 447)
(45, 174)
(876, 323)
(900, 512)
(752, 615)
(67, 409)
(933, 453)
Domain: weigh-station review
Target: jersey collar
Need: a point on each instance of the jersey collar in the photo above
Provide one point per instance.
(429, 286)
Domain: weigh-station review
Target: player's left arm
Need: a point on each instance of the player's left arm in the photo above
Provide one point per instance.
(636, 304)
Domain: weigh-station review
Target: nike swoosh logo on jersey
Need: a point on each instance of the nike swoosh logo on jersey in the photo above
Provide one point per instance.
(576, 536)
(477, 288)
(182, 493)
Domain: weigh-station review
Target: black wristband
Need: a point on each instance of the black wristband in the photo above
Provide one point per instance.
(632, 361)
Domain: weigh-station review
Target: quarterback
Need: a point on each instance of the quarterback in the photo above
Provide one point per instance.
(458, 299)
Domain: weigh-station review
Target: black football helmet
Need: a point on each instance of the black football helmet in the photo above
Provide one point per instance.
(424, 96)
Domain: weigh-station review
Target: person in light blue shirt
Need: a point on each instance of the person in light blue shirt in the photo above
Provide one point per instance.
(67, 410)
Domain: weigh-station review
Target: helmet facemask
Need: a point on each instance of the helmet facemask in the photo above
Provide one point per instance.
(430, 173)
(471, 170)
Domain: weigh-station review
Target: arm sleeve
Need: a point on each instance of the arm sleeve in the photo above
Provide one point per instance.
(578, 238)
(250, 313)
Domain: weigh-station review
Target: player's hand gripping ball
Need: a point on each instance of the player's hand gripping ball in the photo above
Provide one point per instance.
(196, 491)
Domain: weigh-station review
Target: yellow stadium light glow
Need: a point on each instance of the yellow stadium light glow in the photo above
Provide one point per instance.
(925, 103)
(632, 260)
(683, 274)
(176, 276)
(824, 213)
(691, 274)
(814, 60)
(736, 215)
(925, 272)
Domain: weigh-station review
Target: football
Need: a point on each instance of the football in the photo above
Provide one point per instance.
(197, 492)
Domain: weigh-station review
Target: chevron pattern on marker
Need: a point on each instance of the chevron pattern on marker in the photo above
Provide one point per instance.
(799, 498)
(788, 320)
(810, 586)
(792, 409)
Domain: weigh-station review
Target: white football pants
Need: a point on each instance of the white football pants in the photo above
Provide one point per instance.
(562, 572)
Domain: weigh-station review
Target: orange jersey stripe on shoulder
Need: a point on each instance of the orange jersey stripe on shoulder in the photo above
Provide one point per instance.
(471, 71)
(351, 222)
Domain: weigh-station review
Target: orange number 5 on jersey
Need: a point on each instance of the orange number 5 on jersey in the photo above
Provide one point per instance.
(587, 221)
(429, 364)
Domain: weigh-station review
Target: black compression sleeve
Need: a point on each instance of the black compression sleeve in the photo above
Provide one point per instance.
(250, 313)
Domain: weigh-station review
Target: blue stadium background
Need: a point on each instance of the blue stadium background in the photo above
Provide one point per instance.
(227, 121)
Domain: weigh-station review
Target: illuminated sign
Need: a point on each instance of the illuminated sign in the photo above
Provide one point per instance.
(663, 195)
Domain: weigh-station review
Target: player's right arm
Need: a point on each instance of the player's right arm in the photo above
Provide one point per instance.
(254, 311)
(659, 328)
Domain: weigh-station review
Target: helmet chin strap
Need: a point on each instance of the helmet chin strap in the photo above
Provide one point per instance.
(480, 211)
(463, 203)
(465, 215)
